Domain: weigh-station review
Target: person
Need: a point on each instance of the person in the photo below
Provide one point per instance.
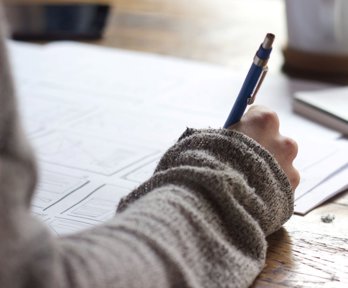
(201, 220)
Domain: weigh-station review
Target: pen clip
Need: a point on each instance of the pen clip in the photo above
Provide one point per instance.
(252, 97)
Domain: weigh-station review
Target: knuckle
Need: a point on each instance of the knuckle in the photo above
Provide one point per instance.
(294, 178)
(266, 119)
(271, 116)
(269, 119)
(290, 147)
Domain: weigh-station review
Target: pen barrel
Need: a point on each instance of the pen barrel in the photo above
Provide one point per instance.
(263, 53)
(252, 81)
(245, 93)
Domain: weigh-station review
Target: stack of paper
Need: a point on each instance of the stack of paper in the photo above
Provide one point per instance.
(328, 107)
(100, 119)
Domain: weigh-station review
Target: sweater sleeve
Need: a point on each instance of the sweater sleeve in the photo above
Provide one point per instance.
(199, 221)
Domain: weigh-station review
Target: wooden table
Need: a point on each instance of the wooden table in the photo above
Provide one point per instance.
(307, 252)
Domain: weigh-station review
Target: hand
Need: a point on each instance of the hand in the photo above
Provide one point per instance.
(262, 125)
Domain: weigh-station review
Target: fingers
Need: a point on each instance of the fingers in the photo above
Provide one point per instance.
(294, 177)
(286, 150)
(258, 123)
(262, 124)
(263, 117)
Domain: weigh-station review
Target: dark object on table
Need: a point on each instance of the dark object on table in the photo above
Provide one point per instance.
(57, 21)
(314, 66)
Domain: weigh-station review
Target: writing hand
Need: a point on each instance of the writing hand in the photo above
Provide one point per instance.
(262, 124)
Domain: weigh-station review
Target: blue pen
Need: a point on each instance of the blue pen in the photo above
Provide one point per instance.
(252, 82)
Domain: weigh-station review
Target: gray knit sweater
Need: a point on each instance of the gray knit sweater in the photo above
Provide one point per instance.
(200, 221)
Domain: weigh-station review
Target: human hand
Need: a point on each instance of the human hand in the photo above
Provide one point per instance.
(262, 124)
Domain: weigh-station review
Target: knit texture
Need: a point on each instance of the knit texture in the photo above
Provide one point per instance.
(199, 221)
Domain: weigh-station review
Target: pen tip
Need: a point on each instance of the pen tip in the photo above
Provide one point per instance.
(267, 43)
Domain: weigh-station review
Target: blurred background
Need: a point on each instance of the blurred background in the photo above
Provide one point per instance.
(224, 32)
(57, 19)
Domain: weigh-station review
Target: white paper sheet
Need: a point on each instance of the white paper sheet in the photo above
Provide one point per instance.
(100, 119)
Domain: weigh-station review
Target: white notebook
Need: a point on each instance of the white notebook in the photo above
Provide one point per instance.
(100, 119)
(328, 107)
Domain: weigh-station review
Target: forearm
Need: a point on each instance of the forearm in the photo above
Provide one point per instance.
(231, 167)
(172, 237)
(198, 222)
(230, 193)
